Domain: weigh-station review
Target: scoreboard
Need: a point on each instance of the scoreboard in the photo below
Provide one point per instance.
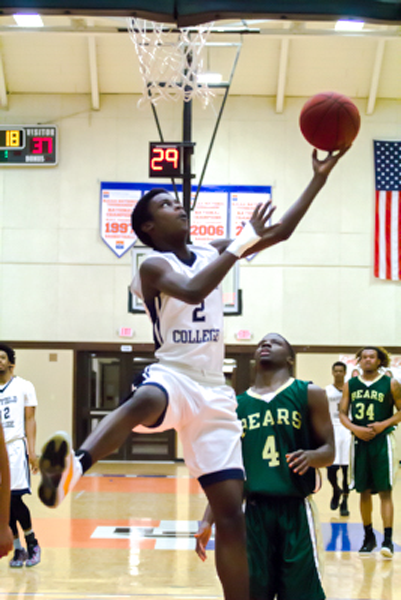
(28, 145)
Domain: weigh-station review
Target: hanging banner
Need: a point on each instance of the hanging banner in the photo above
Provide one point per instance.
(218, 213)
(116, 206)
(209, 217)
(242, 206)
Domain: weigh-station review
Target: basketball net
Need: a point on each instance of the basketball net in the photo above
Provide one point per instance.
(170, 61)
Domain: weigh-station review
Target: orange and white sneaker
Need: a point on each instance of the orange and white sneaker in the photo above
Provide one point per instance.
(60, 469)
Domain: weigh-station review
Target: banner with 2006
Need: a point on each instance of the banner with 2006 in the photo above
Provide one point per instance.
(219, 212)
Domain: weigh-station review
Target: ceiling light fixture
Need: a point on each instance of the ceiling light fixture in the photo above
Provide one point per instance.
(210, 78)
(31, 20)
(347, 25)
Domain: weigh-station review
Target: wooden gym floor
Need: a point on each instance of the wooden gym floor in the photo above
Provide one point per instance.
(126, 533)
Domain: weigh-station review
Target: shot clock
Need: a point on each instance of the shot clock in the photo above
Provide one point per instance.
(165, 159)
(28, 145)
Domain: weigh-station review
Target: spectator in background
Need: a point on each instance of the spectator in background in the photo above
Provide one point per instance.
(371, 399)
(342, 439)
(17, 405)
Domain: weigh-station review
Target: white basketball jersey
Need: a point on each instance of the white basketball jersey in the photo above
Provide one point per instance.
(187, 336)
(15, 395)
(334, 396)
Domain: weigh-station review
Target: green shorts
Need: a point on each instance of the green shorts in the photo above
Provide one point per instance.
(282, 536)
(373, 464)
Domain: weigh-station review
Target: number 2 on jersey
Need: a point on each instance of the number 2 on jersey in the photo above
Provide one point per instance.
(6, 414)
(270, 453)
(196, 315)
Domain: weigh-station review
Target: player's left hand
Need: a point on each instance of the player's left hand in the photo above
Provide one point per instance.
(299, 461)
(202, 537)
(377, 427)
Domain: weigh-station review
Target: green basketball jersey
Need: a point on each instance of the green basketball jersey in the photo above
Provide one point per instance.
(371, 403)
(272, 429)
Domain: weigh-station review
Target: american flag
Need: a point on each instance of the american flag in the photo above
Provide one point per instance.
(388, 210)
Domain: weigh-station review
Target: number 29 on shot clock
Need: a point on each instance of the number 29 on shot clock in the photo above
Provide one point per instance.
(165, 159)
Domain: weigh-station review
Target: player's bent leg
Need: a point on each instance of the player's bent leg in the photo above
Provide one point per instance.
(59, 466)
(146, 406)
(225, 498)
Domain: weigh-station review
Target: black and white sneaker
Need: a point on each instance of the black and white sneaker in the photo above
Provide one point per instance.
(387, 549)
(369, 544)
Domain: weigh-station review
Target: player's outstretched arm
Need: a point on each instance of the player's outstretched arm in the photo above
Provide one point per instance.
(6, 537)
(157, 276)
(321, 431)
(288, 223)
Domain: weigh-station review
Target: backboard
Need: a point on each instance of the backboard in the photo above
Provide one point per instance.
(194, 12)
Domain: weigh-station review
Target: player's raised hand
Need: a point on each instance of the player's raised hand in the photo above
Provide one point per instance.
(325, 165)
(254, 230)
(260, 217)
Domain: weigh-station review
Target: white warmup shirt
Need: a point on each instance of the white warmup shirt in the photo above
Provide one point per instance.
(15, 395)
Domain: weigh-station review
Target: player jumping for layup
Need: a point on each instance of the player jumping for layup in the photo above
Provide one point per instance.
(185, 390)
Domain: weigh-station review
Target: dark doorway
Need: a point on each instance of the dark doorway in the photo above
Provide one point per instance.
(103, 380)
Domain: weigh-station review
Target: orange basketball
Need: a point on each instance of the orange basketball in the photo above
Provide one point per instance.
(329, 121)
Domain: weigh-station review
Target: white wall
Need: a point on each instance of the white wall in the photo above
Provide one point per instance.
(60, 282)
(51, 372)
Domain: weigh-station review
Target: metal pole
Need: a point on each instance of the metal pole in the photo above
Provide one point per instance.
(159, 129)
(226, 90)
(188, 149)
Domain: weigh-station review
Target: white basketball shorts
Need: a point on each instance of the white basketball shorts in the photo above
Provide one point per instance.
(19, 467)
(206, 421)
(342, 440)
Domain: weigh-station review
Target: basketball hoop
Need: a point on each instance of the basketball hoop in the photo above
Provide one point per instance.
(170, 61)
